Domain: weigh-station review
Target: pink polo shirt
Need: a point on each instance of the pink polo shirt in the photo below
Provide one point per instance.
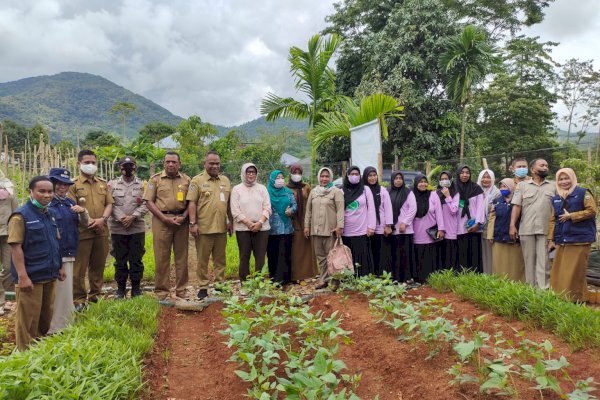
(450, 211)
(356, 222)
(407, 215)
(385, 212)
(433, 217)
(477, 209)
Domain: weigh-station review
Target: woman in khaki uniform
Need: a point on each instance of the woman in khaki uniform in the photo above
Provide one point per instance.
(324, 219)
(304, 264)
(572, 231)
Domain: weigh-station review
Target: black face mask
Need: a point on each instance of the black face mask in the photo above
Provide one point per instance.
(542, 174)
(128, 170)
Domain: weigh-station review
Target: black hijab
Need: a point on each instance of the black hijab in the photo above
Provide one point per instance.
(452, 187)
(421, 197)
(398, 196)
(467, 190)
(352, 191)
(375, 189)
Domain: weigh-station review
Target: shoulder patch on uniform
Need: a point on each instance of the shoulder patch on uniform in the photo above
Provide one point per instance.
(150, 185)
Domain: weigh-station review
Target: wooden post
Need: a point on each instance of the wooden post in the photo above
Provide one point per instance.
(344, 168)
(484, 163)
(427, 168)
(380, 165)
(395, 167)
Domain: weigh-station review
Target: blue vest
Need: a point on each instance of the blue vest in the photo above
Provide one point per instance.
(502, 223)
(40, 247)
(68, 223)
(569, 232)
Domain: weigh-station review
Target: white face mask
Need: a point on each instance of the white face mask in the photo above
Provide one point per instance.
(445, 183)
(279, 183)
(88, 169)
(296, 177)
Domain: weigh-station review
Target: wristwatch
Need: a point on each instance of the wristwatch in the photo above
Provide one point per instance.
(105, 218)
(193, 223)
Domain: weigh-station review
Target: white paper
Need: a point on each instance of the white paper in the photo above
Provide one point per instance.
(365, 144)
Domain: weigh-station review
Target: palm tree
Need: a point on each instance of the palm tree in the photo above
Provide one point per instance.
(376, 106)
(468, 58)
(314, 78)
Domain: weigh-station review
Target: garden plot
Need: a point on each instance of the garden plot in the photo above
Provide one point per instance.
(373, 341)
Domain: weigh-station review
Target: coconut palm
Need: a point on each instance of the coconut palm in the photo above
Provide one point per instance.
(468, 58)
(314, 78)
(376, 106)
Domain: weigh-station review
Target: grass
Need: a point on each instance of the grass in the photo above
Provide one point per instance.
(98, 357)
(577, 324)
(6, 344)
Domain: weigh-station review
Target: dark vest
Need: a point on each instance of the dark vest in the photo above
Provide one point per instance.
(68, 223)
(569, 232)
(502, 223)
(40, 247)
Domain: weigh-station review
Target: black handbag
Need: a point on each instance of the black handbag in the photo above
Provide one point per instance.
(432, 232)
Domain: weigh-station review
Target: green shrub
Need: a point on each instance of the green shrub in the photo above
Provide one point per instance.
(98, 357)
(575, 323)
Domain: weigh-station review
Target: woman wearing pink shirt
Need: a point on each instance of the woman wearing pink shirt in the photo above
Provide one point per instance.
(470, 218)
(380, 247)
(428, 218)
(359, 221)
(404, 209)
(449, 197)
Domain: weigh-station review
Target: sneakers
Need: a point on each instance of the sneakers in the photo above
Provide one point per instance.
(121, 294)
(202, 294)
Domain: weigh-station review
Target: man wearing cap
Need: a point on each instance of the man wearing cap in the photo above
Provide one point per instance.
(90, 192)
(208, 211)
(8, 204)
(69, 218)
(127, 229)
(165, 198)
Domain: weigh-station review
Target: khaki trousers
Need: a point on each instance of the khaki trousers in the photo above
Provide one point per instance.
(166, 238)
(91, 258)
(207, 244)
(6, 280)
(64, 309)
(537, 265)
(322, 246)
(34, 313)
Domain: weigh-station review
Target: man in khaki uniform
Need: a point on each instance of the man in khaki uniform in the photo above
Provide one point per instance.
(532, 206)
(208, 210)
(91, 193)
(8, 204)
(165, 198)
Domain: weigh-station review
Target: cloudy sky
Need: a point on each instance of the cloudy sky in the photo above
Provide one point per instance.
(213, 58)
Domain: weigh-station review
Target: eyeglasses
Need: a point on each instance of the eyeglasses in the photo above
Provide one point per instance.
(250, 172)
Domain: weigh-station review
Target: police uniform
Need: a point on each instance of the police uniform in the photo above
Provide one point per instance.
(168, 194)
(37, 233)
(128, 243)
(93, 195)
(211, 196)
(8, 204)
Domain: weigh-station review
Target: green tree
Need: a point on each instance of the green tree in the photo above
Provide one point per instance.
(64, 146)
(154, 132)
(192, 135)
(314, 78)
(468, 59)
(122, 111)
(100, 139)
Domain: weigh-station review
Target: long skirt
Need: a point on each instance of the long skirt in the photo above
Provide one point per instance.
(448, 250)
(279, 257)
(64, 309)
(380, 249)
(508, 261)
(361, 254)
(486, 256)
(426, 261)
(469, 251)
(402, 256)
(568, 273)
(304, 262)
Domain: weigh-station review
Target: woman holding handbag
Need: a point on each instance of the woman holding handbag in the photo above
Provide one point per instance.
(429, 229)
(404, 209)
(324, 220)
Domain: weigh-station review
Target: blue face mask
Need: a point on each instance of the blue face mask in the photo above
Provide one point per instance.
(505, 192)
(521, 172)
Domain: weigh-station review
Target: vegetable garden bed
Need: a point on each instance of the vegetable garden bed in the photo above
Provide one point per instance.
(485, 356)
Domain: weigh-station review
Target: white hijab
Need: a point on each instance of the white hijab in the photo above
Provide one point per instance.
(492, 192)
(243, 174)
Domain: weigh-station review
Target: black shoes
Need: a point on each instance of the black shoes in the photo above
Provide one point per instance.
(202, 294)
(136, 290)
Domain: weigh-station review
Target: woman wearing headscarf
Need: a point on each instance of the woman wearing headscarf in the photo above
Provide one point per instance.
(303, 258)
(324, 220)
(449, 198)
(380, 247)
(506, 254)
(250, 209)
(404, 209)
(487, 181)
(279, 248)
(428, 221)
(359, 221)
(572, 231)
(470, 219)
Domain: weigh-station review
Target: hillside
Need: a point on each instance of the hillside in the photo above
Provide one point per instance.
(71, 101)
(260, 125)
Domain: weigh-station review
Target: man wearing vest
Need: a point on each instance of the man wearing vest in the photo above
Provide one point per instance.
(8, 204)
(91, 193)
(36, 264)
(127, 228)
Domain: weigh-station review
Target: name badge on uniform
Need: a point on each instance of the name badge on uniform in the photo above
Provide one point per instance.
(222, 196)
(180, 194)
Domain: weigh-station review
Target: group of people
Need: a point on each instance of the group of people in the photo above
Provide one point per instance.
(61, 233)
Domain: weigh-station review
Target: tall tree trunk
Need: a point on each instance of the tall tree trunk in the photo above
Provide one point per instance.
(462, 132)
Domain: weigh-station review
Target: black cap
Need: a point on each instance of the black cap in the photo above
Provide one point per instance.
(126, 160)
(61, 175)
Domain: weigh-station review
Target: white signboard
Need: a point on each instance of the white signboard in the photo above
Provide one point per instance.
(365, 145)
